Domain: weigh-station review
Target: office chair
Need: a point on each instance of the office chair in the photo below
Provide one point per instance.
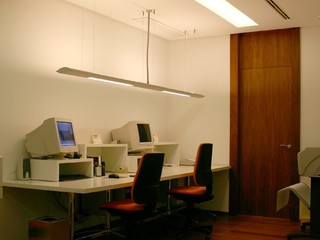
(144, 194)
(200, 192)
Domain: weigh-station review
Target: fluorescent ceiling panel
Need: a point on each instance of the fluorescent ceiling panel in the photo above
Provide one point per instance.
(228, 12)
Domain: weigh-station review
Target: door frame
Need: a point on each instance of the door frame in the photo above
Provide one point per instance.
(234, 196)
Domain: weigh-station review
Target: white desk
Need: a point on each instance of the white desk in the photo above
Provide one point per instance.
(98, 184)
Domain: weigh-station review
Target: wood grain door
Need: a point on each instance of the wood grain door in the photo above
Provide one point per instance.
(268, 121)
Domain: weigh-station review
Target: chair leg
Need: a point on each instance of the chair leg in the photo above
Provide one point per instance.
(191, 225)
(134, 230)
(304, 234)
(304, 226)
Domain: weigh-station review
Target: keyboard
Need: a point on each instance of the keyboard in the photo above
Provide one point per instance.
(72, 177)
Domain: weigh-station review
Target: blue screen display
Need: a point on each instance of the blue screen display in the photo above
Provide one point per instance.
(66, 135)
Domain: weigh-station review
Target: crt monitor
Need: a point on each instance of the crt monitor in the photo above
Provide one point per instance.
(54, 138)
(137, 134)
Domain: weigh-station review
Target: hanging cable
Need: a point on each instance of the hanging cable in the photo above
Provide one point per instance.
(82, 34)
(148, 40)
(94, 35)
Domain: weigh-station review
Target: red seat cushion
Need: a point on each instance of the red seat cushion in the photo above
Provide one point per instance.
(127, 205)
(191, 194)
(189, 190)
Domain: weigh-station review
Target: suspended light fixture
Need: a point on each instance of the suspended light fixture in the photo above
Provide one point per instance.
(124, 82)
(129, 83)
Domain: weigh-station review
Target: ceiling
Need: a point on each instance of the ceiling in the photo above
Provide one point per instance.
(181, 19)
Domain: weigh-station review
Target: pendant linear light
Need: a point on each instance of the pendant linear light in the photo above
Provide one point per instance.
(129, 83)
(124, 82)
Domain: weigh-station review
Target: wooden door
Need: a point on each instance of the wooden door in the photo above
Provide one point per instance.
(267, 103)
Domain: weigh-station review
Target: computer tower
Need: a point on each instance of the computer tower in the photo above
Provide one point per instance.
(24, 169)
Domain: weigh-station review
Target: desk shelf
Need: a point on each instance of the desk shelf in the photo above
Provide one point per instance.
(114, 155)
(171, 152)
(52, 169)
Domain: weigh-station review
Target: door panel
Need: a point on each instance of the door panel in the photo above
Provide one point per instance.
(264, 114)
(265, 125)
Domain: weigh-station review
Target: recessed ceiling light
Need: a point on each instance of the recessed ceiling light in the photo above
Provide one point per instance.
(228, 12)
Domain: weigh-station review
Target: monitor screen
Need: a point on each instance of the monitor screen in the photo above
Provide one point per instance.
(144, 132)
(66, 135)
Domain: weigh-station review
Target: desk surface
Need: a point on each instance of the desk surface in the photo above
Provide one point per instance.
(97, 184)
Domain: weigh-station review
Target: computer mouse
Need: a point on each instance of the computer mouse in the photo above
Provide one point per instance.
(113, 175)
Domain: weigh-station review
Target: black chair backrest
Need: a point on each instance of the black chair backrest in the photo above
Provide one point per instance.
(147, 179)
(202, 167)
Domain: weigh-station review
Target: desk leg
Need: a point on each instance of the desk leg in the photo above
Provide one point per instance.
(107, 215)
(169, 198)
(315, 206)
(71, 215)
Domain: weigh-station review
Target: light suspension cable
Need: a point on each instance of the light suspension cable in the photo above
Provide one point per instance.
(124, 82)
(148, 41)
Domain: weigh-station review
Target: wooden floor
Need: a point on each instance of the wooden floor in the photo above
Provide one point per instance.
(227, 228)
(253, 228)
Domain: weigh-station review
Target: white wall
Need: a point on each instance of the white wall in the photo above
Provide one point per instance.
(40, 36)
(310, 86)
(310, 97)
(201, 64)
(37, 38)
